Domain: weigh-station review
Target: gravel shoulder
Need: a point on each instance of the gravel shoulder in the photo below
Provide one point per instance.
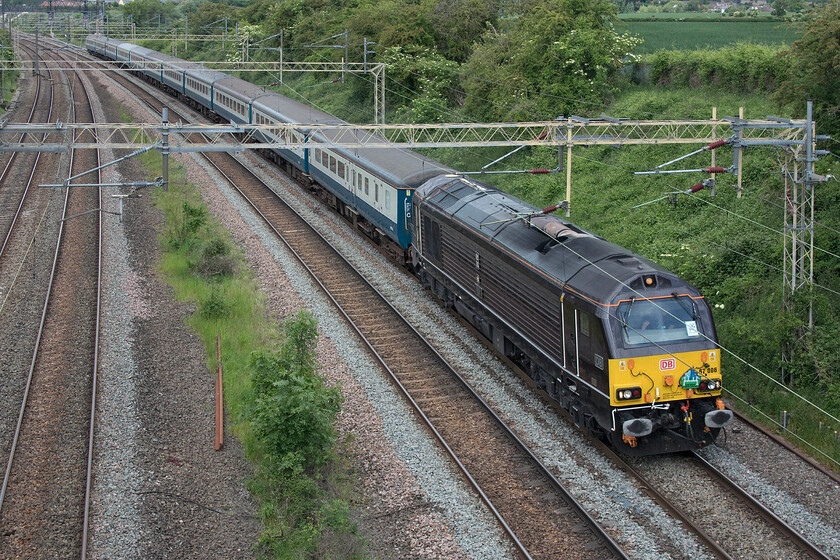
(160, 489)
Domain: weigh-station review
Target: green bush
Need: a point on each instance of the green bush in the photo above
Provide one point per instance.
(744, 67)
(214, 306)
(215, 259)
(184, 222)
(294, 411)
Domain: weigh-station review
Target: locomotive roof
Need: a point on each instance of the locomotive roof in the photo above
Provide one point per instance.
(583, 261)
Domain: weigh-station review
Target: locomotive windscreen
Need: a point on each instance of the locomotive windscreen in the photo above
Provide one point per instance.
(659, 321)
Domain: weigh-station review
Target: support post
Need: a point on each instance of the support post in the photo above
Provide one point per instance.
(714, 135)
(740, 151)
(569, 169)
(800, 187)
(220, 409)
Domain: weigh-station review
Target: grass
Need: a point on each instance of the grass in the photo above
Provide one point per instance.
(694, 35)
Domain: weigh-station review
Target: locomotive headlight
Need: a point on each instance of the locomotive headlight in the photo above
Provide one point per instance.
(628, 393)
(712, 385)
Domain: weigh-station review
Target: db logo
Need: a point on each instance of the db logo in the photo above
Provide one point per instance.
(667, 364)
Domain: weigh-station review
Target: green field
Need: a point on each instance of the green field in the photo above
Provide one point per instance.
(692, 35)
(681, 15)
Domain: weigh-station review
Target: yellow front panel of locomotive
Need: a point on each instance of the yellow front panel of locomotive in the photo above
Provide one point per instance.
(659, 376)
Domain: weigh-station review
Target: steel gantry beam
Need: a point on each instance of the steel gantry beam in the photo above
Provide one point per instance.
(567, 132)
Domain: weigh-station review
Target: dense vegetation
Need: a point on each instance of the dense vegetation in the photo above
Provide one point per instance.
(470, 60)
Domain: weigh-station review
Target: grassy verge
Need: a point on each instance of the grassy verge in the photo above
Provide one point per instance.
(277, 404)
(9, 77)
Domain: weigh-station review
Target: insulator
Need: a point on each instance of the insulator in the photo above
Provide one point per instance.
(542, 136)
(539, 171)
(716, 170)
(550, 209)
(717, 144)
(697, 187)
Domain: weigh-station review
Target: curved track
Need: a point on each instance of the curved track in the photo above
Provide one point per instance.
(43, 500)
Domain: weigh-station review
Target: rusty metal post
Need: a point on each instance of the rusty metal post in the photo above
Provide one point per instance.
(220, 411)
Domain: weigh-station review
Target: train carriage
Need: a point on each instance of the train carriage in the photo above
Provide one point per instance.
(198, 86)
(96, 44)
(377, 183)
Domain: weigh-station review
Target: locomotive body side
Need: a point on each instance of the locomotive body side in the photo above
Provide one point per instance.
(548, 296)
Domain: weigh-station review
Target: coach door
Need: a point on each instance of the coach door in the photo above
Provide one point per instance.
(571, 339)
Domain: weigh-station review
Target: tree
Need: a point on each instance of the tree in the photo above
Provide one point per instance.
(459, 24)
(557, 58)
(425, 77)
(145, 10)
(813, 64)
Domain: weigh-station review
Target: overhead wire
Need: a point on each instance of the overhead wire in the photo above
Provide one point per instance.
(709, 241)
(749, 220)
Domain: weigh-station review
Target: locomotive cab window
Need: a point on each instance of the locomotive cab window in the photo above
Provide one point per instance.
(662, 320)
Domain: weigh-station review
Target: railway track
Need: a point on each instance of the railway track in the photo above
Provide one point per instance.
(784, 444)
(702, 486)
(47, 480)
(12, 196)
(540, 517)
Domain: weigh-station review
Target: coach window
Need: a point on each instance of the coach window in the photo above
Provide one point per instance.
(367, 187)
(332, 164)
(317, 156)
(387, 199)
(341, 169)
(376, 192)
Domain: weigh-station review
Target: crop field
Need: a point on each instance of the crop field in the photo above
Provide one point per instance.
(678, 15)
(692, 35)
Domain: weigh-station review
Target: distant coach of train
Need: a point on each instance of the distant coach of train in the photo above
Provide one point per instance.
(628, 348)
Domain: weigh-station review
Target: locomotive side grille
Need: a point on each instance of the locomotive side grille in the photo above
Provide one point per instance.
(534, 315)
(528, 310)
(459, 258)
